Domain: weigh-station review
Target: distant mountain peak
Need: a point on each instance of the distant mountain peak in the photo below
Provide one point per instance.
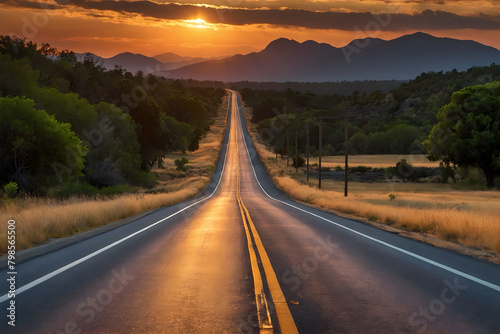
(311, 42)
(170, 57)
(402, 58)
(281, 43)
(365, 42)
(420, 34)
(283, 46)
(130, 55)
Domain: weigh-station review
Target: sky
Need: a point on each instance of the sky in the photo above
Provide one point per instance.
(225, 27)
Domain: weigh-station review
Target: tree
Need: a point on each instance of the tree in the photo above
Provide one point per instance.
(468, 130)
(35, 149)
(268, 108)
(113, 148)
(16, 76)
(191, 111)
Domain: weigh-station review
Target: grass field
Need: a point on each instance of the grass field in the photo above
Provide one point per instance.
(41, 219)
(376, 161)
(468, 218)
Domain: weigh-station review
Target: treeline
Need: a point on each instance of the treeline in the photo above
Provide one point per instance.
(396, 122)
(63, 121)
(319, 88)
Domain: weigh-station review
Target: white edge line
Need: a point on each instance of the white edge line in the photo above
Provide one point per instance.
(99, 251)
(419, 257)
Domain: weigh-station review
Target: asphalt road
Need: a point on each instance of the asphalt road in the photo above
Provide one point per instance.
(189, 269)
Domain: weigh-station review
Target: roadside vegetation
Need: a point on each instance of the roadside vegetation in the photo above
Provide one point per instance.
(68, 121)
(452, 117)
(458, 203)
(42, 218)
(82, 146)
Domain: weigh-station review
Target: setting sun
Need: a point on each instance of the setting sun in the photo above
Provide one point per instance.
(198, 23)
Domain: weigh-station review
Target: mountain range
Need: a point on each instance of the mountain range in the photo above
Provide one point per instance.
(285, 60)
(158, 64)
(402, 58)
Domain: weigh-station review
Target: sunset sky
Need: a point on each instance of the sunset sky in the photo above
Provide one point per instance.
(226, 27)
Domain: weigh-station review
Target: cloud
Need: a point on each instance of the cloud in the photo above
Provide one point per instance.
(347, 21)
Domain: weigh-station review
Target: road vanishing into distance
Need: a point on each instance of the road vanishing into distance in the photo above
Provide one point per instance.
(244, 258)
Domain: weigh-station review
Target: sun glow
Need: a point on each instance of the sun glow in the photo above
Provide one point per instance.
(198, 23)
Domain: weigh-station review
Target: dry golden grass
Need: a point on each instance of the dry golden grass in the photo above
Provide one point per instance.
(39, 220)
(469, 218)
(376, 161)
(42, 219)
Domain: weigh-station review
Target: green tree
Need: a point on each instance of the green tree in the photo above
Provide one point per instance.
(468, 131)
(114, 148)
(35, 149)
(270, 107)
(16, 76)
(191, 111)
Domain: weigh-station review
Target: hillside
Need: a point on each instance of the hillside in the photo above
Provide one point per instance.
(403, 58)
(134, 62)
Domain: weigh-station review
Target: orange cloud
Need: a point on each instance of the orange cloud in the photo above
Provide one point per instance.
(150, 28)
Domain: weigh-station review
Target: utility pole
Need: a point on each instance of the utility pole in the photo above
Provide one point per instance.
(296, 153)
(307, 152)
(346, 154)
(319, 150)
(287, 155)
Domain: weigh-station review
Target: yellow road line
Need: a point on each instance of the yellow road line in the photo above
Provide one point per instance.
(263, 315)
(285, 319)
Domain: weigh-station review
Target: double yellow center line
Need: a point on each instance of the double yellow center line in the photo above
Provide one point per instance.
(255, 247)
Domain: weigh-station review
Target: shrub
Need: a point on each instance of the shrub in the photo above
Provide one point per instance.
(114, 190)
(360, 169)
(143, 179)
(77, 189)
(299, 162)
(446, 173)
(181, 164)
(11, 189)
(392, 197)
(403, 170)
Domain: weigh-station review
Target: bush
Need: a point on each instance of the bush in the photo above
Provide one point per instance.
(301, 162)
(143, 179)
(181, 164)
(114, 190)
(403, 170)
(11, 189)
(84, 189)
(338, 169)
(360, 169)
(446, 173)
